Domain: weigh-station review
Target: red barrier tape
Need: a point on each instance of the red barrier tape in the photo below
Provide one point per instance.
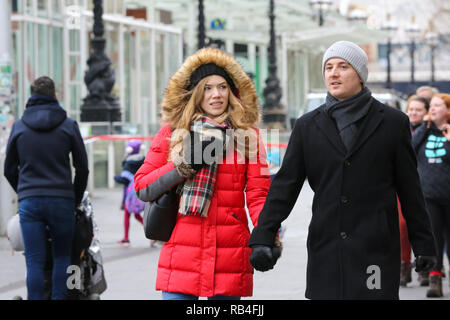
(276, 145)
(125, 137)
(118, 137)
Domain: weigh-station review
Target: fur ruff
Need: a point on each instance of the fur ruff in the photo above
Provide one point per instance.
(177, 95)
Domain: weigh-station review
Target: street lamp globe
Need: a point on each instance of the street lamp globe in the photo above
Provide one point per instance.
(389, 26)
(412, 29)
(321, 6)
(432, 39)
(357, 15)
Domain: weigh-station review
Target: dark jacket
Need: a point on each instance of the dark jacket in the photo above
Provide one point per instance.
(129, 167)
(354, 230)
(37, 156)
(433, 157)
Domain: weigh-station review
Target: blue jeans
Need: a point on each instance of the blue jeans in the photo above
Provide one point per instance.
(36, 213)
(183, 296)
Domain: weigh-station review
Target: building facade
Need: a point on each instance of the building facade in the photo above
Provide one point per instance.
(51, 37)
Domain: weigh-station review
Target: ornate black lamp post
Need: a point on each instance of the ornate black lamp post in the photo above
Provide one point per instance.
(413, 30)
(432, 39)
(321, 6)
(390, 27)
(201, 35)
(274, 115)
(100, 104)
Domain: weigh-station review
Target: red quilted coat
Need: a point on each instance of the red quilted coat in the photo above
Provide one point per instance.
(208, 256)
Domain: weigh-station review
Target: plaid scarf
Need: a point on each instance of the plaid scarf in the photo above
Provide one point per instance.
(196, 193)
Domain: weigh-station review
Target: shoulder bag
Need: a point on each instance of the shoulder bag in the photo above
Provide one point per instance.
(160, 216)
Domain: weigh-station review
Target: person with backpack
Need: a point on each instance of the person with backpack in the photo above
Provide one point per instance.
(37, 165)
(131, 205)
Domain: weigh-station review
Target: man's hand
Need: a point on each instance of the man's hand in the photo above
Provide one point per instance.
(425, 263)
(263, 258)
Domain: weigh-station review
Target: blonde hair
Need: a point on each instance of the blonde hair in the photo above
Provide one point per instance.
(235, 113)
(429, 88)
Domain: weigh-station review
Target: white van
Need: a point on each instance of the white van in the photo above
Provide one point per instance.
(316, 99)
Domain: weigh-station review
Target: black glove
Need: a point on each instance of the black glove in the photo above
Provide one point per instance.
(195, 147)
(425, 263)
(263, 258)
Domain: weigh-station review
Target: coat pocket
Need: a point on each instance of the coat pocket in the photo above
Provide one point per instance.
(240, 218)
(385, 227)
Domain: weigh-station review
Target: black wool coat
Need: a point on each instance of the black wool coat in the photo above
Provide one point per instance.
(353, 240)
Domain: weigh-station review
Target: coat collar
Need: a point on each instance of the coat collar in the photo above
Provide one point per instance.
(327, 126)
(367, 128)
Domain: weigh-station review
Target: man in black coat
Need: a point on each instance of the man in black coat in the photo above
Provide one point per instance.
(38, 167)
(356, 154)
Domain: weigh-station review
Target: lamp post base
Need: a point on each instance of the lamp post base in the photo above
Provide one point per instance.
(101, 111)
(274, 119)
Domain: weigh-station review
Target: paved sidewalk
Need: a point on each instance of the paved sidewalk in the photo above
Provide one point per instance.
(131, 271)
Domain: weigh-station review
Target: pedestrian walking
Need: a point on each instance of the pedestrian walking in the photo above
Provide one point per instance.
(37, 165)
(357, 156)
(213, 104)
(130, 205)
(416, 109)
(431, 142)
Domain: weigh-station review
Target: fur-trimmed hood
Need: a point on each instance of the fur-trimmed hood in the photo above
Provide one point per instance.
(177, 94)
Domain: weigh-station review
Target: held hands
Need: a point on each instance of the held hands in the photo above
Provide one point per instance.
(425, 263)
(263, 258)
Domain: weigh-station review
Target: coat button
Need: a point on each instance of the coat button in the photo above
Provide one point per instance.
(344, 199)
(344, 235)
(347, 163)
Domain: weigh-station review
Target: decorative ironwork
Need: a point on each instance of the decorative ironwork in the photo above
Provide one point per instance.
(201, 25)
(390, 27)
(274, 114)
(100, 104)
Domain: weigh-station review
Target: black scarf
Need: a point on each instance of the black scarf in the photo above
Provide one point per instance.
(347, 113)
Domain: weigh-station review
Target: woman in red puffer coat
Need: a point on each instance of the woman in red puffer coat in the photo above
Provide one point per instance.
(207, 100)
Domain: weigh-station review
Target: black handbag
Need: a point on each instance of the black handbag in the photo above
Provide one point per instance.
(160, 216)
(83, 234)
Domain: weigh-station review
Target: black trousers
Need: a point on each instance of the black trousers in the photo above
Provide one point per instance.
(439, 214)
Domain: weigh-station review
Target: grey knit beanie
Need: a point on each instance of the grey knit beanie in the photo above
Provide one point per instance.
(351, 53)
